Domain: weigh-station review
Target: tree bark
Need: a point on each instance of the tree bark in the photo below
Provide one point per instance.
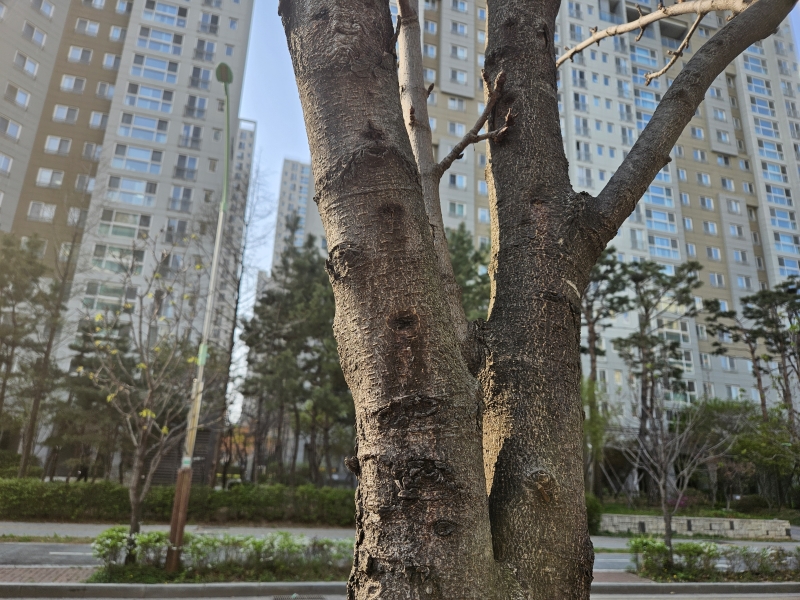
(423, 473)
(421, 498)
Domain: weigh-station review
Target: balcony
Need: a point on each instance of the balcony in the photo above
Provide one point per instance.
(180, 205)
(581, 106)
(584, 131)
(208, 28)
(628, 140)
(788, 92)
(611, 18)
(187, 141)
(785, 71)
(212, 3)
(623, 116)
(197, 82)
(203, 55)
(584, 156)
(576, 13)
(194, 112)
(585, 182)
(185, 173)
(622, 70)
(581, 83)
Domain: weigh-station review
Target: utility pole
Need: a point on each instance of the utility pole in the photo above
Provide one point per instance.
(183, 485)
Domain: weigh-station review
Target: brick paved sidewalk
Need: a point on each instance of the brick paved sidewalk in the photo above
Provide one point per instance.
(45, 574)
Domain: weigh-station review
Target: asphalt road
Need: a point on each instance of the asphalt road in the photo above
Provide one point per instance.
(594, 597)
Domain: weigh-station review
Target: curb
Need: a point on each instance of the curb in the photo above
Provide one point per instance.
(233, 590)
(177, 590)
(661, 589)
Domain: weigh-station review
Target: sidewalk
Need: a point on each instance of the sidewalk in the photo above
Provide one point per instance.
(93, 529)
(45, 574)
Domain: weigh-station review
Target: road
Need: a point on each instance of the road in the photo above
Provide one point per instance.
(594, 597)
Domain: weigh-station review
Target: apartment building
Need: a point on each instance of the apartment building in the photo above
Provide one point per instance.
(114, 140)
(725, 200)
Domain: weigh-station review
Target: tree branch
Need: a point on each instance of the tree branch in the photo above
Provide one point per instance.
(677, 53)
(414, 100)
(473, 136)
(700, 7)
(652, 150)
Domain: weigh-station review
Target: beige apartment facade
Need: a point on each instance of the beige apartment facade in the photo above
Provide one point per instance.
(725, 200)
(115, 140)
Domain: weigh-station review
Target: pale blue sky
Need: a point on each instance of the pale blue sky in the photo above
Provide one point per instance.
(270, 97)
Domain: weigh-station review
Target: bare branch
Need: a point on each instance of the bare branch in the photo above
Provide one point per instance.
(676, 54)
(652, 150)
(474, 136)
(700, 7)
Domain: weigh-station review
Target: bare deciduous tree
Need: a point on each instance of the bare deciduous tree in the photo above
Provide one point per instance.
(469, 436)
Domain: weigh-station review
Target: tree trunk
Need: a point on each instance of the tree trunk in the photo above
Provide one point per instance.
(296, 448)
(313, 460)
(596, 453)
(762, 395)
(421, 498)
(326, 449)
(667, 524)
(787, 395)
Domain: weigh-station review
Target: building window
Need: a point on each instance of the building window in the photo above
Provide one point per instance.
(70, 83)
(5, 164)
(165, 13)
(87, 27)
(155, 68)
(33, 34)
(98, 120)
(65, 114)
(77, 54)
(57, 145)
(25, 64)
(39, 211)
(160, 41)
(483, 215)
(10, 128)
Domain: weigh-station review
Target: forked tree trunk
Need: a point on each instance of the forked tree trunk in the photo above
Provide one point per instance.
(458, 498)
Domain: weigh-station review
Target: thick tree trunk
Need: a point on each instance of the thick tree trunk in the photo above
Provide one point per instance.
(541, 261)
(421, 498)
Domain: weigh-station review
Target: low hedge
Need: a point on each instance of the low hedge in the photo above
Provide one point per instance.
(28, 500)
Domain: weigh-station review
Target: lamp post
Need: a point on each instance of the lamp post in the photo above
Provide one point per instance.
(183, 485)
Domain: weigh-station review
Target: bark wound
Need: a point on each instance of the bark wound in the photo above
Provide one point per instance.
(422, 477)
(541, 482)
(402, 412)
(443, 527)
(352, 464)
(341, 259)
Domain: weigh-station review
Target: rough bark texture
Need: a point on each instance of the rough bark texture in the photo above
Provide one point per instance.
(422, 528)
(540, 261)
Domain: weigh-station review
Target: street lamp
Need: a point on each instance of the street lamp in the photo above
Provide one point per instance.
(183, 485)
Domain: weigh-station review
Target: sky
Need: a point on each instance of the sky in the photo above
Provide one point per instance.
(270, 98)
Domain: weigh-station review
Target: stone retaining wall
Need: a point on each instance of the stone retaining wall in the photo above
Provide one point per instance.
(699, 526)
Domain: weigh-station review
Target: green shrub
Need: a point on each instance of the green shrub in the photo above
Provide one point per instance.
(698, 561)
(594, 512)
(111, 545)
(651, 556)
(30, 500)
(151, 548)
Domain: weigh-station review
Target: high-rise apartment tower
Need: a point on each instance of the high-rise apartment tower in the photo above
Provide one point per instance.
(113, 139)
(725, 200)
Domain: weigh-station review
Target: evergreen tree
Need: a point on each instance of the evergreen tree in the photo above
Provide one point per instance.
(469, 268)
(295, 379)
(605, 295)
(21, 296)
